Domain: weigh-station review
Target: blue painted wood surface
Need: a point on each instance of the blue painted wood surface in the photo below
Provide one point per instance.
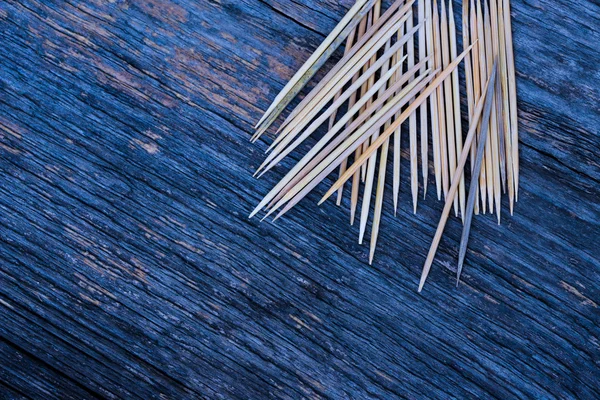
(129, 269)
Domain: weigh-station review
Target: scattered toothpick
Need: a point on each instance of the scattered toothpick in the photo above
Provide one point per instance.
(365, 98)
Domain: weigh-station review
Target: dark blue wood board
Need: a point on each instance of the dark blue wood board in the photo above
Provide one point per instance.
(129, 269)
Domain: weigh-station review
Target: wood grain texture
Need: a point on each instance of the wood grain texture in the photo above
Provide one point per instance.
(129, 269)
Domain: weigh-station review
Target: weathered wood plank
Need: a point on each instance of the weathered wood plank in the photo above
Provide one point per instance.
(128, 268)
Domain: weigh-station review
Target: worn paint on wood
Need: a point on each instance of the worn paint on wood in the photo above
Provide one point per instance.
(129, 269)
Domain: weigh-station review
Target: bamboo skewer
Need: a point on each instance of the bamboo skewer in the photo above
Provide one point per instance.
(435, 137)
(448, 94)
(474, 182)
(423, 108)
(313, 64)
(460, 169)
(456, 105)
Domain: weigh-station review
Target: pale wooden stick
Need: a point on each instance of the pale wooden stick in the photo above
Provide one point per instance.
(493, 142)
(482, 78)
(459, 171)
(405, 114)
(371, 36)
(505, 107)
(468, 67)
(369, 182)
(456, 105)
(473, 189)
(331, 139)
(448, 106)
(284, 148)
(497, 133)
(440, 100)
(318, 173)
(337, 82)
(397, 142)
(361, 31)
(512, 90)
(313, 64)
(349, 43)
(423, 108)
(315, 155)
(365, 88)
(412, 128)
(376, 12)
(381, 179)
(314, 57)
(435, 126)
(476, 85)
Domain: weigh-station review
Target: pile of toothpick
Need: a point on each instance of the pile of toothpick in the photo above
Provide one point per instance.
(400, 66)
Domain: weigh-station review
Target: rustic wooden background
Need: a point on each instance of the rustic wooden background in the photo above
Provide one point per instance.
(129, 269)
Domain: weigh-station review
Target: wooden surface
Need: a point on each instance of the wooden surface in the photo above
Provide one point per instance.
(129, 269)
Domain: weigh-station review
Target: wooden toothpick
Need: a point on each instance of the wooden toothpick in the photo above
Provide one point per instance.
(448, 95)
(313, 64)
(435, 126)
(459, 170)
(474, 179)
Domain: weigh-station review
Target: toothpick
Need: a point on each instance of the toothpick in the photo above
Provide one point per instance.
(476, 86)
(397, 143)
(496, 132)
(448, 106)
(364, 42)
(459, 171)
(506, 107)
(412, 128)
(284, 148)
(337, 82)
(474, 182)
(443, 149)
(316, 155)
(482, 78)
(366, 130)
(435, 126)
(313, 64)
(456, 106)
(493, 142)
(512, 90)
(361, 31)
(405, 114)
(349, 43)
(423, 108)
(366, 87)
